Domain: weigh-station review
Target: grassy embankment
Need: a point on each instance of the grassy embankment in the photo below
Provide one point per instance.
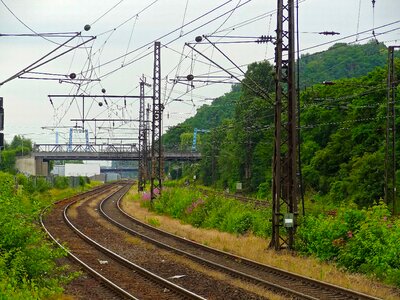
(328, 240)
(28, 268)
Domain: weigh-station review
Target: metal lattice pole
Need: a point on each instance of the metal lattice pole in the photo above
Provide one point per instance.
(390, 157)
(156, 143)
(142, 141)
(147, 142)
(285, 185)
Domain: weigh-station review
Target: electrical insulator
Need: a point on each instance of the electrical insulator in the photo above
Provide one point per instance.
(264, 39)
(328, 32)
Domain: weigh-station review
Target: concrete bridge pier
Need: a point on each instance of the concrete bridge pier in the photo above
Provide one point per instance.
(34, 166)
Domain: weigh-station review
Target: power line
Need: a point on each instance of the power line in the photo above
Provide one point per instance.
(108, 11)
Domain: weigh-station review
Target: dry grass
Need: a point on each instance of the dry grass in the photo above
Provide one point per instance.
(255, 248)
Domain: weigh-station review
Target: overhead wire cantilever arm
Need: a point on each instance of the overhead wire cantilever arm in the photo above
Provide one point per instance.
(238, 67)
(97, 96)
(38, 63)
(231, 74)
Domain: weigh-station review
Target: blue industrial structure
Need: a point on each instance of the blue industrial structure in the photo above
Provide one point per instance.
(196, 130)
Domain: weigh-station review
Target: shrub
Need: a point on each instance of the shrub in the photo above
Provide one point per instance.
(212, 211)
(374, 248)
(61, 182)
(364, 241)
(321, 236)
(27, 260)
(237, 221)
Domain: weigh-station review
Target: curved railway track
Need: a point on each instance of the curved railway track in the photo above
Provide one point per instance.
(285, 283)
(118, 277)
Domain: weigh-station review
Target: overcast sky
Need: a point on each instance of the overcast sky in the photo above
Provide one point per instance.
(130, 27)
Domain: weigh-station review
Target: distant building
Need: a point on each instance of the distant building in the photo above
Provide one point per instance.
(58, 170)
(82, 169)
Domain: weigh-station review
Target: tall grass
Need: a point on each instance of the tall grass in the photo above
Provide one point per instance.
(362, 241)
(213, 211)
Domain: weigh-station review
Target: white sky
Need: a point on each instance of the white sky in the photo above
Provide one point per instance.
(27, 107)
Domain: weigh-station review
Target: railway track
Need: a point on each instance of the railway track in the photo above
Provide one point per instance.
(285, 283)
(118, 277)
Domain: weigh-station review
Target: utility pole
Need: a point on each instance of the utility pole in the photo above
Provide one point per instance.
(156, 142)
(147, 141)
(142, 139)
(285, 183)
(1, 126)
(390, 157)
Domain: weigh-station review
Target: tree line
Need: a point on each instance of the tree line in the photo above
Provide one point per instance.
(342, 129)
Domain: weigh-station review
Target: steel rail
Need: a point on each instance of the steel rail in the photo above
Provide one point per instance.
(335, 292)
(249, 278)
(108, 283)
(149, 275)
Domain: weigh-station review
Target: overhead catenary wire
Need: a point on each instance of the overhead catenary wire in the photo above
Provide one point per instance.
(95, 65)
(106, 13)
(28, 27)
(148, 45)
(164, 35)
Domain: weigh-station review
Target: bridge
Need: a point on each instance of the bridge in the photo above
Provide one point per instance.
(43, 153)
(48, 152)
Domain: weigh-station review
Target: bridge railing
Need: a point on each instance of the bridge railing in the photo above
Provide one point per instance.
(103, 151)
(93, 148)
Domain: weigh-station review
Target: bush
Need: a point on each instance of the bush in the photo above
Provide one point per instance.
(61, 182)
(374, 248)
(27, 260)
(364, 241)
(321, 236)
(212, 211)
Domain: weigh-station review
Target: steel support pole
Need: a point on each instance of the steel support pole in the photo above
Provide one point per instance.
(142, 141)
(285, 183)
(147, 142)
(390, 157)
(156, 142)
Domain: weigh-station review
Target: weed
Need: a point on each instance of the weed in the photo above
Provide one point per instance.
(154, 222)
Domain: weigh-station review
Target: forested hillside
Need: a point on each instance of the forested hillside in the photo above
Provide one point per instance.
(342, 129)
(341, 61)
(338, 62)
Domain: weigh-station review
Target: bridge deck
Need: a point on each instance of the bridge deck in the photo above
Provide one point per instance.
(102, 152)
